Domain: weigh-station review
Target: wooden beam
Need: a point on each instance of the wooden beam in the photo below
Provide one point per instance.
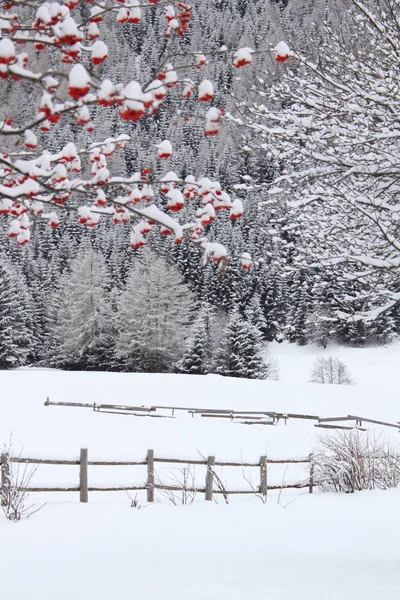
(263, 476)
(326, 426)
(209, 477)
(374, 421)
(5, 479)
(327, 419)
(150, 475)
(312, 466)
(83, 476)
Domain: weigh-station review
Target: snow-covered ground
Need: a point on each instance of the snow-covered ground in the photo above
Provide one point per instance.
(322, 546)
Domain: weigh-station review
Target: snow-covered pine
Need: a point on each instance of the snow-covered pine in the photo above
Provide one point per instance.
(242, 353)
(197, 359)
(84, 327)
(153, 317)
(16, 318)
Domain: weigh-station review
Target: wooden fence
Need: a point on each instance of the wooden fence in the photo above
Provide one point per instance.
(212, 484)
(246, 417)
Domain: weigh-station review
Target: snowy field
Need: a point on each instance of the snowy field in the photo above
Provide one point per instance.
(322, 546)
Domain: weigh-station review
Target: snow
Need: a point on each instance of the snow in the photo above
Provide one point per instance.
(99, 52)
(155, 214)
(282, 49)
(242, 57)
(207, 551)
(164, 149)
(206, 91)
(7, 51)
(78, 77)
(330, 546)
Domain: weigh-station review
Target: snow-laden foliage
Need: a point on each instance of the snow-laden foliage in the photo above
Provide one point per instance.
(16, 328)
(154, 313)
(330, 127)
(55, 51)
(241, 353)
(84, 332)
(252, 262)
(351, 461)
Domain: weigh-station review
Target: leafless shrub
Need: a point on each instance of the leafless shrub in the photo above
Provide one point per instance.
(134, 499)
(184, 486)
(256, 489)
(330, 370)
(350, 461)
(217, 481)
(272, 368)
(14, 492)
(219, 484)
(283, 483)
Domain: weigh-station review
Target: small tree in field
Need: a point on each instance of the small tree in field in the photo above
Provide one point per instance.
(330, 370)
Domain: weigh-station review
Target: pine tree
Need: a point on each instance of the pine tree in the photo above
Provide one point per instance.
(255, 316)
(197, 357)
(16, 335)
(83, 332)
(241, 353)
(154, 315)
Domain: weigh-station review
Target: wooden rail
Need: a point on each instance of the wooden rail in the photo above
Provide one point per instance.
(209, 489)
(246, 417)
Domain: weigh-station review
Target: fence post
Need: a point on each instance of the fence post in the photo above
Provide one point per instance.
(150, 476)
(310, 488)
(5, 479)
(209, 477)
(83, 475)
(263, 477)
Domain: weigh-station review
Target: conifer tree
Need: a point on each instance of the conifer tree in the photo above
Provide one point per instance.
(197, 357)
(16, 335)
(154, 314)
(83, 332)
(255, 316)
(241, 353)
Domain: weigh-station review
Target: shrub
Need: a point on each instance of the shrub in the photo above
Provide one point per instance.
(350, 461)
(330, 370)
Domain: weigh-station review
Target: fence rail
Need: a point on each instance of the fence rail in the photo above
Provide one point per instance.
(246, 417)
(211, 486)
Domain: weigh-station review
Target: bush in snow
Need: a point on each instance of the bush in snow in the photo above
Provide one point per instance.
(14, 490)
(350, 461)
(330, 370)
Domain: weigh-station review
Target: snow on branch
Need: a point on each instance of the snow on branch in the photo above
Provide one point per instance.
(39, 178)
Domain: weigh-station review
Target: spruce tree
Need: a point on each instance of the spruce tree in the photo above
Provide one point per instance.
(197, 357)
(255, 316)
(241, 353)
(16, 313)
